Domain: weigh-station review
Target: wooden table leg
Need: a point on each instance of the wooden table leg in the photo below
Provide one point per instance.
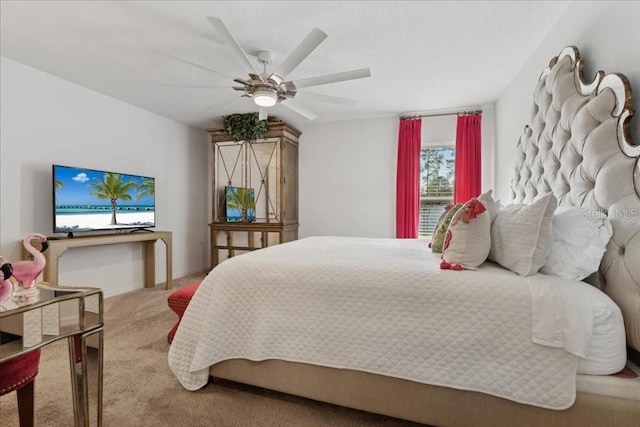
(150, 264)
(25, 404)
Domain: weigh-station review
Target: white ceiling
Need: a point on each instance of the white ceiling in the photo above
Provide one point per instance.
(423, 56)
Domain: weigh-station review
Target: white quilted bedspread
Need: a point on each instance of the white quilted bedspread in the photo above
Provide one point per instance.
(380, 306)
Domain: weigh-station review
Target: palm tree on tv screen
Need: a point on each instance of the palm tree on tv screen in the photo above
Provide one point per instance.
(58, 184)
(146, 188)
(112, 187)
(242, 199)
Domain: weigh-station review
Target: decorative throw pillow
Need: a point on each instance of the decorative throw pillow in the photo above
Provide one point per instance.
(468, 240)
(493, 206)
(580, 238)
(447, 208)
(436, 245)
(521, 235)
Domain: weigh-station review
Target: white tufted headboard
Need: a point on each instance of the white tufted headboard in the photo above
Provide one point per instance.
(578, 146)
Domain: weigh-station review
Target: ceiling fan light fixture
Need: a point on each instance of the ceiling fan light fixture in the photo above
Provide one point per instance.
(265, 98)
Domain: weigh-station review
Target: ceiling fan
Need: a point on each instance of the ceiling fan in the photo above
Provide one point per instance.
(267, 90)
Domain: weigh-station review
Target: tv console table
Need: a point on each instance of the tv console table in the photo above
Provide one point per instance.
(59, 246)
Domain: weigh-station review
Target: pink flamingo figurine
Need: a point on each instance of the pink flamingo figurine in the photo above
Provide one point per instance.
(26, 272)
(6, 286)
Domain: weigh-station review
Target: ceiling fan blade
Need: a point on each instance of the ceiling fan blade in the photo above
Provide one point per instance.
(244, 82)
(193, 64)
(312, 41)
(291, 104)
(327, 98)
(263, 114)
(329, 78)
(225, 102)
(230, 41)
(199, 86)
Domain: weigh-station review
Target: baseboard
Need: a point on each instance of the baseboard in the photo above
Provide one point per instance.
(108, 293)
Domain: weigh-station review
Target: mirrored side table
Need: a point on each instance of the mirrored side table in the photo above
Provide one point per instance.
(61, 312)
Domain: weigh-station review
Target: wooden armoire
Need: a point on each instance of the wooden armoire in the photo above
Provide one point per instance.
(268, 168)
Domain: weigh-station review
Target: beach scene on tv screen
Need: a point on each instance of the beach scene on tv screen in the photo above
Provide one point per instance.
(88, 200)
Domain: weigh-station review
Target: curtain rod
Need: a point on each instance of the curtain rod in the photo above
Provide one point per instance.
(458, 113)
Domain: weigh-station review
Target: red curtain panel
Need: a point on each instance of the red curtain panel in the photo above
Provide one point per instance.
(408, 179)
(468, 162)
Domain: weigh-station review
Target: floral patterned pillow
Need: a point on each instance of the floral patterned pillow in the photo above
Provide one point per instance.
(447, 208)
(438, 240)
(493, 206)
(468, 239)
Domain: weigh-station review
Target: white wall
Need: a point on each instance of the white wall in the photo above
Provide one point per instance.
(47, 120)
(347, 178)
(439, 129)
(348, 173)
(607, 35)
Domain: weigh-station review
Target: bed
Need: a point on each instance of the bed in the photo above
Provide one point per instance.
(343, 320)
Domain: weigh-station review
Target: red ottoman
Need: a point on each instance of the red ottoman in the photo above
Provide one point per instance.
(178, 302)
(19, 374)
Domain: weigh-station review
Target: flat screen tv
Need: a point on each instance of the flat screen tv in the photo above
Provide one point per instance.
(240, 204)
(90, 200)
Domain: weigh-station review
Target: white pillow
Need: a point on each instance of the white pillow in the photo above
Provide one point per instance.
(521, 235)
(493, 206)
(468, 239)
(580, 238)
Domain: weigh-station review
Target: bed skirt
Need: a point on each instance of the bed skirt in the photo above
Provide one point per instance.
(423, 403)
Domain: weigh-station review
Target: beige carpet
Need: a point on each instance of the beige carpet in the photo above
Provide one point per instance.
(140, 390)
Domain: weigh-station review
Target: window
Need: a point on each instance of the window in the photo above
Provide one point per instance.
(436, 187)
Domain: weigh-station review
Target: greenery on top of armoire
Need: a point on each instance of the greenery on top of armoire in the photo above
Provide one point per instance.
(245, 127)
